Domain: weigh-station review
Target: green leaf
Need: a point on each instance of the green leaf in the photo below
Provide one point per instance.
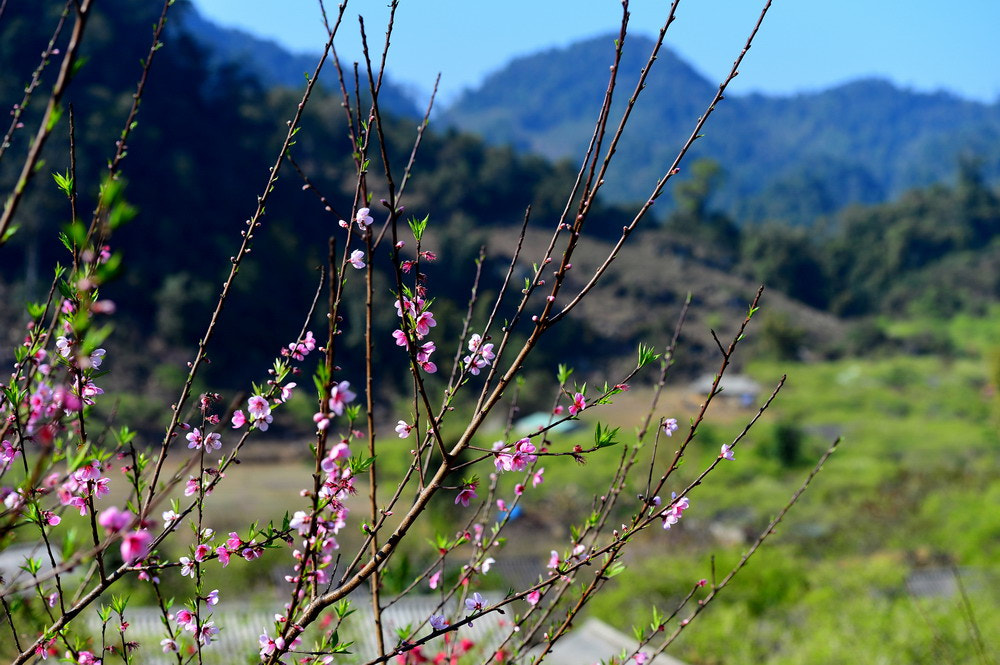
(418, 227)
(604, 438)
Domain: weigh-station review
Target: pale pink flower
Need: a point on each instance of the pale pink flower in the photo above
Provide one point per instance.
(364, 218)
(213, 598)
(670, 426)
(168, 645)
(727, 452)
(357, 259)
(476, 603)
(438, 622)
(340, 395)
(187, 567)
(286, 391)
(207, 631)
(403, 429)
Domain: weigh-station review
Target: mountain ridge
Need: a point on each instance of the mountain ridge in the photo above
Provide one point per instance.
(863, 141)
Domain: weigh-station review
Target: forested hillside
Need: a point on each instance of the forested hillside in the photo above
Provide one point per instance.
(790, 159)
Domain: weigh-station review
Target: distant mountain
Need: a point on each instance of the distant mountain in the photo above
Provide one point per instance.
(270, 63)
(788, 158)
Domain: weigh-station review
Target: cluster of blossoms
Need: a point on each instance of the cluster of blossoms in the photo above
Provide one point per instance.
(481, 355)
(83, 484)
(188, 620)
(516, 457)
(421, 321)
(319, 532)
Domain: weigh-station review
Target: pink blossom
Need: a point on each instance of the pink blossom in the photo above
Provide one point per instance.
(403, 429)
(50, 518)
(400, 337)
(424, 323)
(7, 452)
(553, 560)
(202, 551)
(206, 632)
(213, 598)
(467, 493)
(434, 580)
(168, 645)
(438, 622)
(640, 658)
(187, 567)
(260, 412)
(578, 405)
(476, 603)
(536, 478)
(114, 520)
(481, 356)
(670, 426)
(364, 218)
(727, 452)
(135, 545)
(197, 440)
(239, 419)
(223, 555)
(286, 391)
(357, 259)
(672, 515)
(533, 597)
(268, 646)
(340, 395)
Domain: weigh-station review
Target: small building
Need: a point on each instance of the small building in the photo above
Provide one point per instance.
(734, 387)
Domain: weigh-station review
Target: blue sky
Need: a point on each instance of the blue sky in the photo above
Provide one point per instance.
(804, 44)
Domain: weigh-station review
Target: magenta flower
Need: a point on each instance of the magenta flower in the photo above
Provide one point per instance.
(434, 580)
(239, 419)
(135, 545)
(578, 405)
(466, 494)
(533, 597)
(537, 478)
(114, 520)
